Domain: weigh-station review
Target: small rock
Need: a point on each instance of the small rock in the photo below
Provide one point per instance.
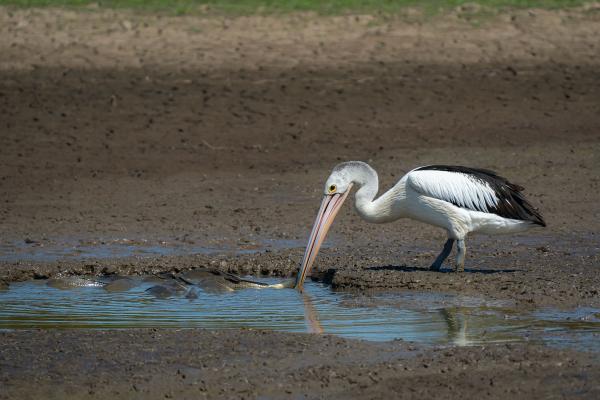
(512, 70)
(120, 285)
(109, 270)
(160, 292)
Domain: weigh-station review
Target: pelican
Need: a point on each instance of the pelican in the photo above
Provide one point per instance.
(461, 200)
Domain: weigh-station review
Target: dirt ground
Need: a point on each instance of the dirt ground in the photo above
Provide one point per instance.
(249, 364)
(219, 132)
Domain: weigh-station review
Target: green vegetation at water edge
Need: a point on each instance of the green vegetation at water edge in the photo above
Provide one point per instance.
(279, 6)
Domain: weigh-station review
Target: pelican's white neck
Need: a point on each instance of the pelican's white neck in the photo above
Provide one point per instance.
(373, 210)
(367, 183)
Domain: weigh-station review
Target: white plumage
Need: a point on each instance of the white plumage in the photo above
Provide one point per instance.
(455, 187)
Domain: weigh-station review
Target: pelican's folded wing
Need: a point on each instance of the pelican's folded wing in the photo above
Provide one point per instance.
(473, 189)
(462, 190)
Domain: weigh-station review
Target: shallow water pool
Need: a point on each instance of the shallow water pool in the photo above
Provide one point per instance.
(428, 318)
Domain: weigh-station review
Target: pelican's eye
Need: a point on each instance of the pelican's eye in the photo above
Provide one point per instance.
(332, 189)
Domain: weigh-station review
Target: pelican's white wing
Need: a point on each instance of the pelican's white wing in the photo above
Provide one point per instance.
(461, 189)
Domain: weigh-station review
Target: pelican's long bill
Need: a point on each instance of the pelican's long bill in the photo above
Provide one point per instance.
(329, 208)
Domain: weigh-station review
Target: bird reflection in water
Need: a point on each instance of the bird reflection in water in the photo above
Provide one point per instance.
(311, 316)
(457, 322)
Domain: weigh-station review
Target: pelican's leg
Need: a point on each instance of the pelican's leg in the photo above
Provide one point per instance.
(460, 255)
(437, 264)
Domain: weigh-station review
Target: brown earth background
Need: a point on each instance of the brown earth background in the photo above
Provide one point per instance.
(216, 131)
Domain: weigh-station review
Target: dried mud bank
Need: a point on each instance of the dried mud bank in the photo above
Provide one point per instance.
(56, 38)
(191, 363)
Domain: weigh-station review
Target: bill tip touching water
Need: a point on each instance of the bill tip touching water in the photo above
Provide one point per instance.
(460, 200)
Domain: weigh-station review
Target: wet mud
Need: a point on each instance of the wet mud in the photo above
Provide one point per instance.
(141, 144)
(155, 363)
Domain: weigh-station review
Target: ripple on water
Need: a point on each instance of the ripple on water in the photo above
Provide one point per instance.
(428, 318)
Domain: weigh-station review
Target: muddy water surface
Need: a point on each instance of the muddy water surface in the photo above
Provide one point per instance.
(214, 303)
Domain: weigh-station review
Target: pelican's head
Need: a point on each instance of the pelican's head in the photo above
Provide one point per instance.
(340, 180)
(337, 189)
